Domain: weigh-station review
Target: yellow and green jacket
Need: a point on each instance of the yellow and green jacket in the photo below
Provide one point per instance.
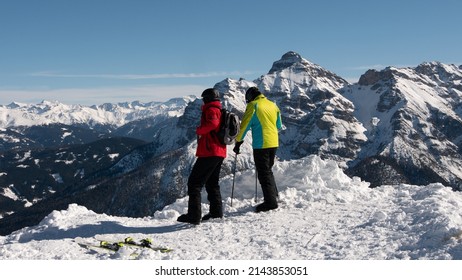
(263, 117)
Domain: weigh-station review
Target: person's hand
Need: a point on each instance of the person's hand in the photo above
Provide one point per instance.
(237, 147)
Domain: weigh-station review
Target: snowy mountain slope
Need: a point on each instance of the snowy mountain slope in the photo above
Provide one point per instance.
(48, 136)
(170, 135)
(29, 176)
(115, 115)
(318, 119)
(412, 117)
(323, 215)
(142, 169)
(27, 126)
(35, 185)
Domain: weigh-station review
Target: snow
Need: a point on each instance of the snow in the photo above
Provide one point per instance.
(57, 177)
(49, 112)
(66, 134)
(113, 156)
(8, 192)
(323, 215)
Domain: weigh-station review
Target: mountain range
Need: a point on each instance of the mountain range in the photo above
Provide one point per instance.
(394, 126)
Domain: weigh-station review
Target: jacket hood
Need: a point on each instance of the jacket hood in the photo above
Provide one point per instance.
(216, 103)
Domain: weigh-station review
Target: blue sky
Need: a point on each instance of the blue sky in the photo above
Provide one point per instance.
(94, 51)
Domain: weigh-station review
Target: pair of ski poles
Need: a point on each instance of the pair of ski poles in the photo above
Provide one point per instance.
(234, 179)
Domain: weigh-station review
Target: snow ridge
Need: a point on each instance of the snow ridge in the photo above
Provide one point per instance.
(48, 112)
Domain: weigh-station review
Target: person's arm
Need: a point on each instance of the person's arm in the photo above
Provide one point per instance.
(212, 121)
(245, 123)
(278, 120)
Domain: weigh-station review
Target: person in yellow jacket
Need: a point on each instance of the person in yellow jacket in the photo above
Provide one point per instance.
(263, 117)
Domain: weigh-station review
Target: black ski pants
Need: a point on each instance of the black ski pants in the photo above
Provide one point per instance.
(264, 161)
(206, 171)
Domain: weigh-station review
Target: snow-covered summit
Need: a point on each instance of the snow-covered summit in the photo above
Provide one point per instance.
(319, 120)
(289, 59)
(116, 115)
(413, 118)
(292, 73)
(441, 73)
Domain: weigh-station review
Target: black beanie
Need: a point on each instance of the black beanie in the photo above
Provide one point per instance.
(251, 94)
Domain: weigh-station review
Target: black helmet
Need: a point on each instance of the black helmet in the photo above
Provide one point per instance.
(251, 94)
(210, 95)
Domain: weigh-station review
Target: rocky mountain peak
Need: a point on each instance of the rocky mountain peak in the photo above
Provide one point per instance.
(373, 76)
(439, 72)
(289, 59)
(294, 75)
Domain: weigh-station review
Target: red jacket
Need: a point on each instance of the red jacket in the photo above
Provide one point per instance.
(208, 144)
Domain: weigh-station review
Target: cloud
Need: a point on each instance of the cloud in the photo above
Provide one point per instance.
(114, 94)
(367, 67)
(52, 74)
(378, 67)
(97, 96)
(352, 80)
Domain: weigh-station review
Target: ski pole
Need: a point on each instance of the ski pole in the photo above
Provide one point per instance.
(256, 176)
(234, 178)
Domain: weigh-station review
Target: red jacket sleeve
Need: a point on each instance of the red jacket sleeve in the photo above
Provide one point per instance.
(210, 121)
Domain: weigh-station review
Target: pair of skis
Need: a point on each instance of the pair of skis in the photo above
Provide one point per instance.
(127, 242)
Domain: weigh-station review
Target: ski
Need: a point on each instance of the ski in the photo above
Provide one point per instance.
(105, 247)
(101, 246)
(144, 243)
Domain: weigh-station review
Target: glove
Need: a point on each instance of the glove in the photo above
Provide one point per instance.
(237, 146)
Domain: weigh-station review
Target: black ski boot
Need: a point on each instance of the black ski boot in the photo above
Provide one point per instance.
(186, 219)
(210, 216)
(265, 207)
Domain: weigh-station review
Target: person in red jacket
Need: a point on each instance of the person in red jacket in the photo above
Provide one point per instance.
(210, 154)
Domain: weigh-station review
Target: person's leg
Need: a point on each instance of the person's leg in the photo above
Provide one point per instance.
(213, 192)
(201, 171)
(264, 160)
